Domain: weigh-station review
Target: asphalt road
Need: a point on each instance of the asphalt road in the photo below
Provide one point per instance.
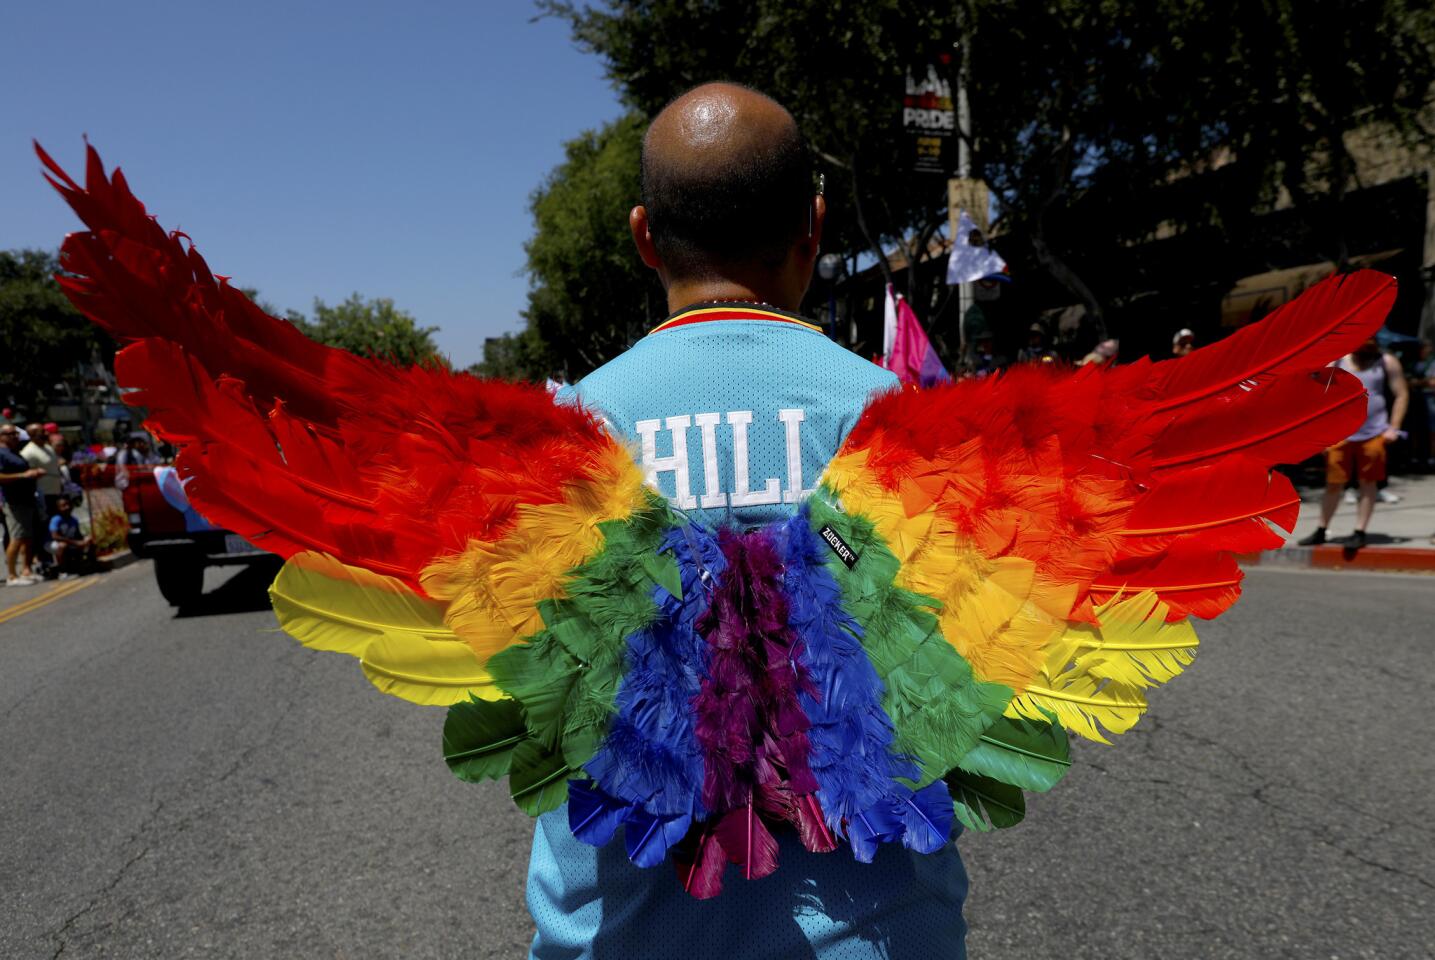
(201, 786)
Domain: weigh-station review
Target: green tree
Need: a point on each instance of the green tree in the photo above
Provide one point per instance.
(590, 296)
(44, 340)
(514, 356)
(1090, 118)
(371, 328)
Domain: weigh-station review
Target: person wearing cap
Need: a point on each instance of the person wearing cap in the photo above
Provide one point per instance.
(1183, 342)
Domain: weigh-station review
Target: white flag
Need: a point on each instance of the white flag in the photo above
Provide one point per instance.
(971, 258)
(889, 325)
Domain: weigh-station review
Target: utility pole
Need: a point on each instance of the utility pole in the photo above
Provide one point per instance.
(964, 166)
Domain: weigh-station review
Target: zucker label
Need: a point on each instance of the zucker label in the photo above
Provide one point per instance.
(839, 546)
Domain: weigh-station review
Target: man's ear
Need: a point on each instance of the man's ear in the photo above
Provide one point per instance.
(643, 237)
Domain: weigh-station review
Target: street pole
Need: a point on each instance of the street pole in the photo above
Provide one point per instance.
(964, 172)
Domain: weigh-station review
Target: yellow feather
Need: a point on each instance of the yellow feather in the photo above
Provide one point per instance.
(400, 637)
(1009, 622)
(421, 671)
(493, 589)
(1095, 676)
(995, 611)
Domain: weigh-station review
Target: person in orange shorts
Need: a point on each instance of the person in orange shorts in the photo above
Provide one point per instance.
(1362, 454)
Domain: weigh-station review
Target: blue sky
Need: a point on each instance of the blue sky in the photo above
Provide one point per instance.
(310, 149)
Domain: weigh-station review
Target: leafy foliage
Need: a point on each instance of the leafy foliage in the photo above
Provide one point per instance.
(1099, 125)
(591, 296)
(514, 356)
(43, 339)
(371, 328)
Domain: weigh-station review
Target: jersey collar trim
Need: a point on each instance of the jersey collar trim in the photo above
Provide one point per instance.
(731, 310)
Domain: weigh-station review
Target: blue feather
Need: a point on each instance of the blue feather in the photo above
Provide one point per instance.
(650, 764)
(880, 823)
(851, 736)
(648, 838)
(927, 818)
(593, 816)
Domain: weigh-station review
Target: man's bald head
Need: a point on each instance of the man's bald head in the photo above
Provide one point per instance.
(726, 181)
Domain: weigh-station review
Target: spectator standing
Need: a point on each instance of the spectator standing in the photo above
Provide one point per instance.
(985, 360)
(72, 551)
(1424, 384)
(69, 487)
(1183, 342)
(39, 454)
(22, 513)
(1036, 350)
(137, 452)
(134, 453)
(1104, 354)
(1362, 454)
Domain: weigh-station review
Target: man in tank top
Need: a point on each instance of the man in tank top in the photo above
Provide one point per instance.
(1362, 454)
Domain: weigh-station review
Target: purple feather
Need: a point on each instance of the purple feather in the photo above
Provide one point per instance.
(750, 720)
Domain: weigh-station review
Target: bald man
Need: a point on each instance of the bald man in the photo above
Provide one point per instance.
(736, 404)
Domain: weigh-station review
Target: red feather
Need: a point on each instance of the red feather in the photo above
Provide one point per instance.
(1143, 476)
(700, 866)
(1194, 581)
(295, 444)
(747, 841)
(1215, 505)
(1325, 322)
(1281, 422)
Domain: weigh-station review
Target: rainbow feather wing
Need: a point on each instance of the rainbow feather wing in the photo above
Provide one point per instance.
(1050, 535)
(985, 567)
(430, 520)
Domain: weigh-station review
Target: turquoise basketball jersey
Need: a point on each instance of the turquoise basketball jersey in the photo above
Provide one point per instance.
(734, 420)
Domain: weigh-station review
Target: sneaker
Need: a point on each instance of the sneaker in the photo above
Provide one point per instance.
(67, 576)
(1356, 540)
(1385, 496)
(1350, 496)
(1314, 540)
(21, 582)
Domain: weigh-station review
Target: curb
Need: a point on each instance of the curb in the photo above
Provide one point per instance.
(1335, 557)
(113, 561)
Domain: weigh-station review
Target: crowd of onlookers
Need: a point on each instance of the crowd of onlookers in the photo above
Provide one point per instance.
(39, 472)
(39, 467)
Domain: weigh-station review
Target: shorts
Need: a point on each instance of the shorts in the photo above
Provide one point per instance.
(1361, 458)
(24, 521)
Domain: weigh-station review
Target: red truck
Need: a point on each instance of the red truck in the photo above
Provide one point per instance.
(165, 528)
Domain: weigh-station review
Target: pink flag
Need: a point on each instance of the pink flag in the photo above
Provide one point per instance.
(912, 358)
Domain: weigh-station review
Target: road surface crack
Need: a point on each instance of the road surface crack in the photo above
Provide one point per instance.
(62, 934)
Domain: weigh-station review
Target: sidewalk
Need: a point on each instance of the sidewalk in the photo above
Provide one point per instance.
(1398, 537)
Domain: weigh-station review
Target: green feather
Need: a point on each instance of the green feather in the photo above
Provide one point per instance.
(1031, 754)
(539, 779)
(479, 737)
(566, 676)
(984, 804)
(938, 708)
